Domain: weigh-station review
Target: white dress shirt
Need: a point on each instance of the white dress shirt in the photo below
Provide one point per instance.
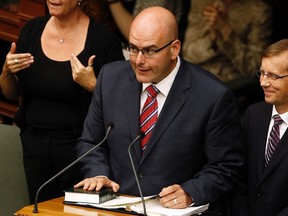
(282, 127)
(163, 86)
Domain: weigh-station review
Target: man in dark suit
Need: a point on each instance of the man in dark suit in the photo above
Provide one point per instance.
(193, 153)
(267, 157)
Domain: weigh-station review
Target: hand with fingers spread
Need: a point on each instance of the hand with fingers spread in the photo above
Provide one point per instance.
(175, 197)
(16, 62)
(84, 76)
(97, 182)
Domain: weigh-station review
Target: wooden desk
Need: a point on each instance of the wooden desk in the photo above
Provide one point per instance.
(55, 207)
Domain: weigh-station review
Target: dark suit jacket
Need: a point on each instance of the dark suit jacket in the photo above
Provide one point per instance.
(195, 141)
(268, 187)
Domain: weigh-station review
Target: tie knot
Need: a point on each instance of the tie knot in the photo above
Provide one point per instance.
(152, 91)
(277, 119)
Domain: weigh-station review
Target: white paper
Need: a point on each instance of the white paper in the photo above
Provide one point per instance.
(153, 207)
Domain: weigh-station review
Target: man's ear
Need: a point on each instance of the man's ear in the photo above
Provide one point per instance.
(175, 48)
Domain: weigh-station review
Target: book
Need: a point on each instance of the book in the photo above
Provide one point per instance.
(84, 196)
(153, 206)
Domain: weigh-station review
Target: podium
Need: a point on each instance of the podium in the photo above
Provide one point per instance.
(56, 206)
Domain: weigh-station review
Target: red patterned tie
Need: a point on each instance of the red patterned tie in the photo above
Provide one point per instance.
(273, 139)
(149, 114)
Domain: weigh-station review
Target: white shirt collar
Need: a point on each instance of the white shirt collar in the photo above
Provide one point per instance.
(164, 85)
(283, 116)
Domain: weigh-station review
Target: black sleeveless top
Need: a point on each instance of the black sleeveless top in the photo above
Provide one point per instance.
(51, 99)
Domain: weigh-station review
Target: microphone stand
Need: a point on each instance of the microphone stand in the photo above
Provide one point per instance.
(109, 128)
(140, 135)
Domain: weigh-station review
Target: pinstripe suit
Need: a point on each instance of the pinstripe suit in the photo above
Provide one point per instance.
(195, 141)
(267, 186)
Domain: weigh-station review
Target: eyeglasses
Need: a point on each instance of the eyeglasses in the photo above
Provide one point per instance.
(271, 76)
(148, 53)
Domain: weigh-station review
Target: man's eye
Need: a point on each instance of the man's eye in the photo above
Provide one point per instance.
(274, 76)
(133, 49)
(149, 52)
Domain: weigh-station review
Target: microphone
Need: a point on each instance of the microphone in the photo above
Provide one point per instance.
(140, 135)
(110, 126)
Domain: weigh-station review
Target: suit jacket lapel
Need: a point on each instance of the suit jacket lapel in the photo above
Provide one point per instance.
(263, 129)
(280, 152)
(172, 105)
(133, 108)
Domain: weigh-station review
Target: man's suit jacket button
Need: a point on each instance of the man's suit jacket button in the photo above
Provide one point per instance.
(140, 175)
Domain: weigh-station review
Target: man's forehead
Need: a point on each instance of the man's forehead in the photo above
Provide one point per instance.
(145, 38)
(142, 43)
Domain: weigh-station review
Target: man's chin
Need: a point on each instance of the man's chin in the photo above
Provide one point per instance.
(143, 79)
(269, 100)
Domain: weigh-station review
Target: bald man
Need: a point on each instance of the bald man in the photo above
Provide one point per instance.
(192, 152)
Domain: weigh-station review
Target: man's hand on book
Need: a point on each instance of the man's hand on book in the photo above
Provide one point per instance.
(96, 183)
(175, 197)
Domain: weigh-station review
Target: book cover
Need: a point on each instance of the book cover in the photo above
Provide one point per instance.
(85, 196)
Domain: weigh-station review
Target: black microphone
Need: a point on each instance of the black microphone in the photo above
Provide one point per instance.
(110, 126)
(140, 135)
